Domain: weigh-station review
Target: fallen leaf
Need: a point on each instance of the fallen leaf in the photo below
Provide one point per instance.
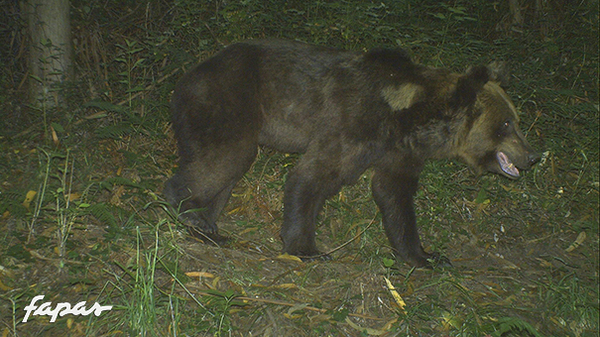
(285, 286)
(288, 257)
(199, 274)
(369, 331)
(286, 315)
(54, 137)
(544, 263)
(29, 198)
(4, 287)
(450, 320)
(247, 230)
(215, 282)
(395, 295)
(580, 238)
(297, 307)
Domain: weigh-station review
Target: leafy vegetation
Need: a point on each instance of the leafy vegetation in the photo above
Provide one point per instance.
(82, 217)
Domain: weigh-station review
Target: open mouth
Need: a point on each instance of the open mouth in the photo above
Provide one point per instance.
(506, 165)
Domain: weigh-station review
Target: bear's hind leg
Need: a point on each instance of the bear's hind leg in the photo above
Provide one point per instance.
(202, 187)
(205, 226)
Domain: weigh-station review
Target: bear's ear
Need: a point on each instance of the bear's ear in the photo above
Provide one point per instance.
(499, 72)
(469, 85)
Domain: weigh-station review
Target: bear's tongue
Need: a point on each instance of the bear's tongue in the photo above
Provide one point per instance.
(506, 165)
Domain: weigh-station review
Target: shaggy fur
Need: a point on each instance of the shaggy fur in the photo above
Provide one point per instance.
(346, 112)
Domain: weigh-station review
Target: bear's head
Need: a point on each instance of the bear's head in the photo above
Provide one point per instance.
(491, 139)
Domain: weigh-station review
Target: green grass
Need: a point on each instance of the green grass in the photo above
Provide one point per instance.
(83, 219)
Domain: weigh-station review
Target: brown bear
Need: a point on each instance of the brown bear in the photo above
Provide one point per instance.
(345, 112)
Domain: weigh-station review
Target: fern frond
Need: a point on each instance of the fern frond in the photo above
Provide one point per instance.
(513, 324)
(103, 212)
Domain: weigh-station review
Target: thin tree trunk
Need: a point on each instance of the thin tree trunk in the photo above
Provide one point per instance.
(540, 16)
(516, 14)
(51, 49)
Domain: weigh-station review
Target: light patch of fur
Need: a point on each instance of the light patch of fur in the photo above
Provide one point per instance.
(402, 97)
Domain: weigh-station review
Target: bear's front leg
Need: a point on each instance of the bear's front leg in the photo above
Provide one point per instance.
(314, 179)
(393, 192)
(304, 197)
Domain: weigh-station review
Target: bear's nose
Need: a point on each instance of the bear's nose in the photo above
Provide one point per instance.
(533, 158)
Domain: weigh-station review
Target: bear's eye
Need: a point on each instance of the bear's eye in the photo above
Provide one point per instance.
(504, 129)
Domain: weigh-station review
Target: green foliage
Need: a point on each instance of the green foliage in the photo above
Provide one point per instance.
(105, 213)
(142, 311)
(515, 325)
(106, 106)
(12, 202)
(571, 303)
(116, 131)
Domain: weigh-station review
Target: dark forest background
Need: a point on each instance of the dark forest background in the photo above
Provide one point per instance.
(85, 149)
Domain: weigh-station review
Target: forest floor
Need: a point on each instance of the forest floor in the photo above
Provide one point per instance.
(83, 217)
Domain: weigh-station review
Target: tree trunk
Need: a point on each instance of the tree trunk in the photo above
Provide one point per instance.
(51, 50)
(517, 15)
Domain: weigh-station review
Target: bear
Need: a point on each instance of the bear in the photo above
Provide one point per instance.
(344, 112)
